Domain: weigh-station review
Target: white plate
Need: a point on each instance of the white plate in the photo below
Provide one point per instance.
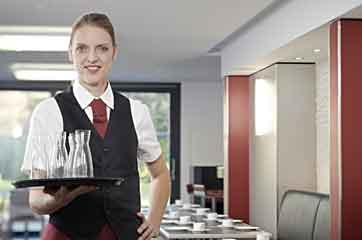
(198, 215)
(189, 207)
(205, 230)
(222, 226)
(234, 220)
(205, 209)
(210, 220)
(246, 228)
(169, 217)
(177, 228)
(167, 221)
(183, 223)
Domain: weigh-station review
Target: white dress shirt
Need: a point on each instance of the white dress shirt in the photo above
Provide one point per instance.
(47, 120)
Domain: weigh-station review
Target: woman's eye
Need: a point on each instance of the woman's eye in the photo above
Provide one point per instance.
(104, 49)
(81, 49)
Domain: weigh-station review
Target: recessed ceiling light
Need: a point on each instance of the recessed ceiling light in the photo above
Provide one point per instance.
(317, 50)
(40, 71)
(299, 58)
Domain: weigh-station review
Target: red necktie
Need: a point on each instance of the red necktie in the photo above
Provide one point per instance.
(99, 116)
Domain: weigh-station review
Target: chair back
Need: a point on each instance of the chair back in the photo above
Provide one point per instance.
(297, 216)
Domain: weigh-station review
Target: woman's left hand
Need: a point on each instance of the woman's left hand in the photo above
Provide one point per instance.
(147, 230)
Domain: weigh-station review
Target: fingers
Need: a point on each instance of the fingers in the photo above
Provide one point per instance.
(146, 230)
(143, 227)
(81, 190)
(62, 196)
(50, 190)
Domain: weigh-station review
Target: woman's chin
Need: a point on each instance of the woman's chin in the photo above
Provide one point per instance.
(93, 81)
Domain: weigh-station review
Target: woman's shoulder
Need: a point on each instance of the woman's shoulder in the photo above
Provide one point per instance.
(45, 107)
(137, 106)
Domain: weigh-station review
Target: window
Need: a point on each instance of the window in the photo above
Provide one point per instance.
(15, 111)
(18, 99)
(159, 106)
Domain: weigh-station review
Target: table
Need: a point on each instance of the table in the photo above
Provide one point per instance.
(214, 196)
(214, 232)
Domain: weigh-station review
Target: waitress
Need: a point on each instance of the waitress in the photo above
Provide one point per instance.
(122, 132)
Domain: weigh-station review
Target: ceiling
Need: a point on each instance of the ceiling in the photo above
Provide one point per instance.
(302, 47)
(159, 40)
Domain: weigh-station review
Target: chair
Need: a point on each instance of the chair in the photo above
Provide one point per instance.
(196, 193)
(304, 216)
(322, 227)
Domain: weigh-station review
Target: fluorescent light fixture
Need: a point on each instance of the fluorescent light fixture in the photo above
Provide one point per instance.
(40, 71)
(298, 58)
(34, 43)
(56, 75)
(35, 30)
(317, 50)
(34, 38)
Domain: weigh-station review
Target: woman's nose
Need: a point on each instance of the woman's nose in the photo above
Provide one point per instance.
(92, 56)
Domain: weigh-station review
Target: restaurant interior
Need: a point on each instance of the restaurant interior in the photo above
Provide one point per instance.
(254, 103)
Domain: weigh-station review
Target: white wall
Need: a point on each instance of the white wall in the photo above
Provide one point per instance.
(201, 127)
(284, 157)
(296, 128)
(263, 163)
(323, 125)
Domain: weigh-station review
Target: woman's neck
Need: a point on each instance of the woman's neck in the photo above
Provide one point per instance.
(97, 89)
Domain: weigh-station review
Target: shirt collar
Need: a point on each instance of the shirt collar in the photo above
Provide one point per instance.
(84, 97)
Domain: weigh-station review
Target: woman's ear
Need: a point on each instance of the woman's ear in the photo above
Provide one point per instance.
(70, 56)
(115, 52)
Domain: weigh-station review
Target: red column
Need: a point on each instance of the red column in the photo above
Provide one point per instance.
(238, 146)
(346, 129)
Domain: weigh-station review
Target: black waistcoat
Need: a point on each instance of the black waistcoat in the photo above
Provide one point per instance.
(113, 156)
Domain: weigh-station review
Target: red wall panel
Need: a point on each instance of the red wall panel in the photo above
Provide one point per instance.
(349, 112)
(238, 146)
(334, 173)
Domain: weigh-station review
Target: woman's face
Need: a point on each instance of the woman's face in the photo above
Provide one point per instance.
(92, 54)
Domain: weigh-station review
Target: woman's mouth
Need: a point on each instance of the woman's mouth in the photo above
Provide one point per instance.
(92, 68)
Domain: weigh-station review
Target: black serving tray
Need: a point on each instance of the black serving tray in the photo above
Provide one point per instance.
(69, 182)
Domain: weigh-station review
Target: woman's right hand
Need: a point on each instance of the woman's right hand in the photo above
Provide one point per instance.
(63, 195)
(49, 200)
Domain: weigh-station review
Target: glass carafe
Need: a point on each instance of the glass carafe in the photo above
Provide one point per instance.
(82, 165)
(68, 169)
(59, 156)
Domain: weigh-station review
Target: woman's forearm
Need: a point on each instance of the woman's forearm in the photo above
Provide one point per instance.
(160, 193)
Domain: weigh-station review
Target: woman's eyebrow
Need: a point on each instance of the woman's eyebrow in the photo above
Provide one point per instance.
(102, 44)
(81, 44)
(98, 45)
